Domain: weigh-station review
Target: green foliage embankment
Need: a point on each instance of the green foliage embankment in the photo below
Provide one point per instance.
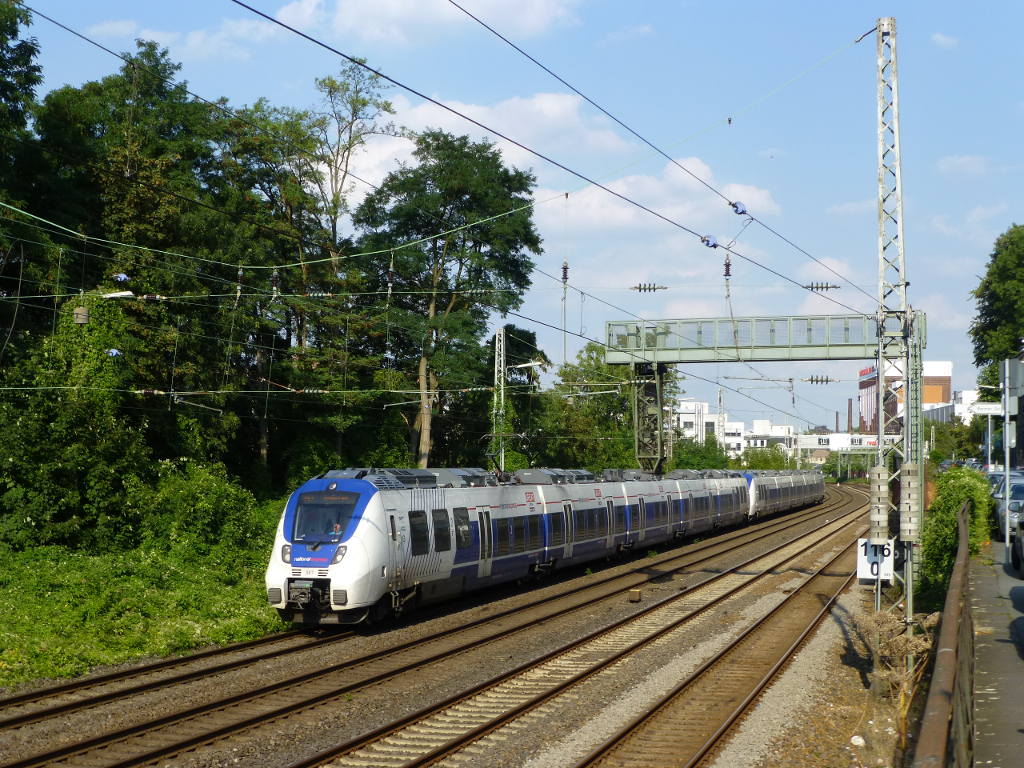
(939, 534)
(194, 577)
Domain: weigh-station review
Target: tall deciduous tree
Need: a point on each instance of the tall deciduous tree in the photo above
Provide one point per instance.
(584, 425)
(454, 263)
(998, 328)
(351, 110)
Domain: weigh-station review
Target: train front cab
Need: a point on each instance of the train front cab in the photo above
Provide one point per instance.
(317, 575)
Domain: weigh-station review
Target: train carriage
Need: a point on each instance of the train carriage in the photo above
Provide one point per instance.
(359, 543)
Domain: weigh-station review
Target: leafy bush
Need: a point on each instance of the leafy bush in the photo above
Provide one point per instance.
(191, 506)
(66, 611)
(939, 534)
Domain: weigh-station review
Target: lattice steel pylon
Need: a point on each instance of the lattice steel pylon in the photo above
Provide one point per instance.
(893, 317)
(649, 415)
(498, 426)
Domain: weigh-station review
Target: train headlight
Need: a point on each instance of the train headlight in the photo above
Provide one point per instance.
(340, 553)
(286, 553)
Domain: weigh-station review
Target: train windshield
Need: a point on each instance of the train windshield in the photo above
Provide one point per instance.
(324, 515)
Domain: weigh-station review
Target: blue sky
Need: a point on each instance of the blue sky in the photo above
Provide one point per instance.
(800, 150)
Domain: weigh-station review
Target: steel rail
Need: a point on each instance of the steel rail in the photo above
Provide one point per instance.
(311, 700)
(443, 750)
(606, 753)
(39, 715)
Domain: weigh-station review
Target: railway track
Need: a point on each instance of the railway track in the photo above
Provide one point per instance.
(149, 741)
(440, 732)
(700, 711)
(43, 704)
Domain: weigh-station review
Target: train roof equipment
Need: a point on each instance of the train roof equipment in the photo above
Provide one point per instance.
(622, 475)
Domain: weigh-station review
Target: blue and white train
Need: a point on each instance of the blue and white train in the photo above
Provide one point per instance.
(367, 543)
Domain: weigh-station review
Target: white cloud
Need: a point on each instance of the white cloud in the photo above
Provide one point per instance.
(230, 40)
(126, 29)
(233, 39)
(853, 207)
(554, 123)
(944, 41)
(113, 28)
(982, 213)
(302, 14)
(946, 313)
(628, 34)
(759, 202)
(940, 223)
(404, 22)
(672, 193)
(971, 165)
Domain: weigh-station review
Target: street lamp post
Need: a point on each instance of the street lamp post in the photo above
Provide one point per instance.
(988, 431)
(1006, 461)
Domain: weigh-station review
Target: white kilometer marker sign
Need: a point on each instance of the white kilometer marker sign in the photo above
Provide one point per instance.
(875, 561)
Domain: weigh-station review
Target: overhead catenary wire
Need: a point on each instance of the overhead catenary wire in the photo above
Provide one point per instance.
(666, 155)
(267, 267)
(227, 111)
(524, 147)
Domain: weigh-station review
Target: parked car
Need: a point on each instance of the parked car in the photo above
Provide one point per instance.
(1015, 548)
(1016, 501)
(1016, 476)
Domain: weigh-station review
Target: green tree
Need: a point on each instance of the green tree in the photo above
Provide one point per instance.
(772, 457)
(998, 327)
(586, 420)
(955, 440)
(69, 453)
(689, 454)
(19, 77)
(449, 279)
(351, 110)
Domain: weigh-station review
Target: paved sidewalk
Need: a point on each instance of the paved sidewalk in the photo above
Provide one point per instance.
(997, 602)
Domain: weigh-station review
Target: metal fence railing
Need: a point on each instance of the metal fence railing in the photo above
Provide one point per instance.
(946, 736)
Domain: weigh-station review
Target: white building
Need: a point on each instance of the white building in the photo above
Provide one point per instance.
(695, 421)
(764, 434)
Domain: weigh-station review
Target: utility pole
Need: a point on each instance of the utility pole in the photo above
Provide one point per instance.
(565, 288)
(895, 323)
(498, 411)
(721, 417)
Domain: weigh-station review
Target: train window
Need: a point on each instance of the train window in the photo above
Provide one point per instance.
(602, 521)
(394, 532)
(557, 529)
(463, 537)
(620, 519)
(535, 540)
(502, 538)
(643, 513)
(420, 538)
(442, 531)
(521, 534)
(323, 516)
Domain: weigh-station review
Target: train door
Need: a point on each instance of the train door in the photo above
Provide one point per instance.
(483, 514)
(394, 569)
(424, 561)
(641, 505)
(569, 526)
